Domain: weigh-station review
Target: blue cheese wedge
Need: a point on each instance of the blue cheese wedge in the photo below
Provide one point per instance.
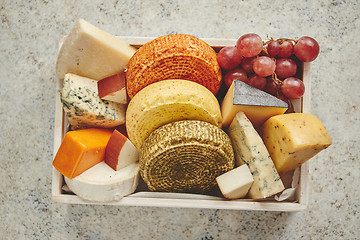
(250, 149)
(84, 108)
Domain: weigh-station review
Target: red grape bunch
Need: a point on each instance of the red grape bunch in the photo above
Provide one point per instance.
(270, 66)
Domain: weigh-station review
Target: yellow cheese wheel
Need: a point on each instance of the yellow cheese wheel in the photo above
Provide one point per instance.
(176, 56)
(168, 101)
(185, 156)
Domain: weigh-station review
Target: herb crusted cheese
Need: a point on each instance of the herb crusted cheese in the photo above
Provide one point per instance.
(249, 149)
(84, 108)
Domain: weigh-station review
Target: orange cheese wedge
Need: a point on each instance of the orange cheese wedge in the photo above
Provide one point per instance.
(81, 150)
(175, 56)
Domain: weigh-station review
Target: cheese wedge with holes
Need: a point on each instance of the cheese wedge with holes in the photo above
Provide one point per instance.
(81, 150)
(250, 149)
(294, 138)
(83, 107)
(257, 105)
(120, 152)
(102, 184)
(91, 52)
(168, 101)
(235, 183)
(174, 56)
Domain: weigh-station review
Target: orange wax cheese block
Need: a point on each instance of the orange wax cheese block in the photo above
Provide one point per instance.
(81, 150)
(294, 138)
(113, 88)
(120, 152)
(174, 56)
(257, 105)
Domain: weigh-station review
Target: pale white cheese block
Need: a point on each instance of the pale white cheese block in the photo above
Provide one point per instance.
(250, 149)
(235, 183)
(91, 52)
(101, 183)
(84, 108)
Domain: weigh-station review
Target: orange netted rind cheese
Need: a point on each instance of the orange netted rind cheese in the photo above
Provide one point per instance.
(176, 56)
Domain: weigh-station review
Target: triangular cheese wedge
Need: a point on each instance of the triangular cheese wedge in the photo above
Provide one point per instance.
(257, 105)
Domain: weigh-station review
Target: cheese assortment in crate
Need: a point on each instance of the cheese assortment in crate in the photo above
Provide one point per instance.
(181, 134)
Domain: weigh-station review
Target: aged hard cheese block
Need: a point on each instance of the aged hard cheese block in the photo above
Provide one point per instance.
(84, 108)
(102, 184)
(176, 56)
(120, 152)
(235, 183)
(249, 149)
(257, 105)
(80, 150)
(90, 52)
(185, 156)
(168, 101)
(294, 138)
(113, 88)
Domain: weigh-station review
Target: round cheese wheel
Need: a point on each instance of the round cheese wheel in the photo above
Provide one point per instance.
(176, 56)
(185, 156)
(101, 183)
(168, 101)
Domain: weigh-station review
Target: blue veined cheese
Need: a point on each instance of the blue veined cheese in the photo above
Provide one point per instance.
(250, 149)
(84, 108)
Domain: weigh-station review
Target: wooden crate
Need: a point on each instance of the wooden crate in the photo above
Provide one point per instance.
(178, 200)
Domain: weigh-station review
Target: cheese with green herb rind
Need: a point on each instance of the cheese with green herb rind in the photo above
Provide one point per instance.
(83, 107)
(250, 149)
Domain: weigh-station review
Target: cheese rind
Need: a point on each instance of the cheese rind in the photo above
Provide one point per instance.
(113, 88)
(120, 152)
(185, 156)
(102, 184)
(91, 52)
(249, 149)
(235, 183)
(80, 150)
(168, 101)
(174, 56)
(84, 108)
(257, 105)
(294, 138)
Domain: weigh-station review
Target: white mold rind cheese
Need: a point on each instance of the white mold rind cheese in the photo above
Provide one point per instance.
(250, 149)
(84, 108)
(102, 184)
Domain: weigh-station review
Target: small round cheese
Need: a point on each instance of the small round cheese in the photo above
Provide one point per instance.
(175, 56)
(102, 184)
(185, 156)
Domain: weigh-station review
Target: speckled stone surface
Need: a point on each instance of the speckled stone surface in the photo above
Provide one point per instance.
(28, 47)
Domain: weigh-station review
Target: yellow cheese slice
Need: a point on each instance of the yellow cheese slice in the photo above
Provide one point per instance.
(168, 101)
(91, 52)
(294, 138)
(185, 156)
